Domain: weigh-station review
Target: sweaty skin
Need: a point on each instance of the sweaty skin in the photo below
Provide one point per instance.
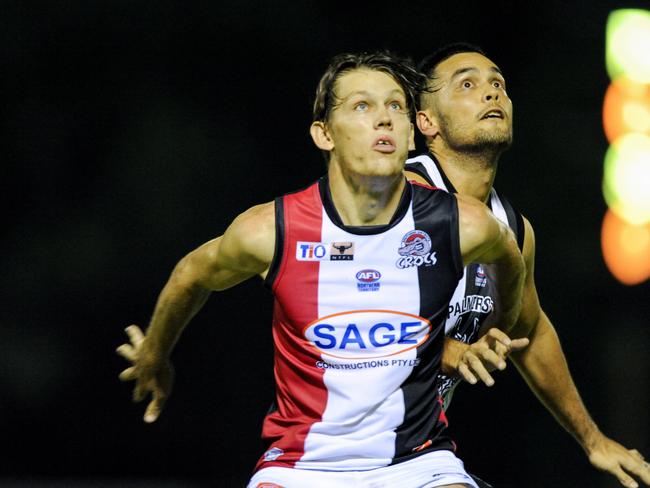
(467, 86)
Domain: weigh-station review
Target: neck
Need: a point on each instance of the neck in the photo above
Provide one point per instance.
(471, 173)
(365, 200)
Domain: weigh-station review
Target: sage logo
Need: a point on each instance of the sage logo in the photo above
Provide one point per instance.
(367, 334)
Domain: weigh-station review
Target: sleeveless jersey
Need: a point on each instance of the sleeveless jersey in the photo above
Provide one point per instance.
(358, 329)
(473, 300)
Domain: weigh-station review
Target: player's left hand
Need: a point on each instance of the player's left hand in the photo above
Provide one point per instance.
(474, 362)
(152, 374)
(487, 354)
(611, 457)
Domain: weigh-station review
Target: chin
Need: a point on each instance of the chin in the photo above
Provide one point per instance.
(491, 140)
(388, 166)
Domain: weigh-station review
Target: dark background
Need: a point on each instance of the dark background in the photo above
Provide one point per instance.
(133, 131)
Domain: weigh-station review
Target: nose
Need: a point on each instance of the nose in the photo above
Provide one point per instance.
(384, 119)
(491, 94)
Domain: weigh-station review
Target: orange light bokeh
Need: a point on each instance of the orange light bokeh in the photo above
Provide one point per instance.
(626, 109)
(626, 249)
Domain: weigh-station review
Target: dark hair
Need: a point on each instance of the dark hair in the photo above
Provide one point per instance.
(402, 70)
(429, 64)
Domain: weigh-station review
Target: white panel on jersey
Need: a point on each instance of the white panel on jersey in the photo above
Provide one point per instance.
(498, 209)
(432, 170)
(364, 368)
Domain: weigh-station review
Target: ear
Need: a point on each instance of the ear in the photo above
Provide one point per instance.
(321, 136)
(412, 139)
(427, 123)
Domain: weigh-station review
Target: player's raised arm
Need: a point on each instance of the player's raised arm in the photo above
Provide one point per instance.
(246, 249)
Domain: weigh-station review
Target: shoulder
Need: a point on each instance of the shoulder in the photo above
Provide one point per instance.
(260, 215)
(252, 233)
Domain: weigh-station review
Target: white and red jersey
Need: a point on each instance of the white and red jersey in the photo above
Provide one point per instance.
(473, 300)
(358, 329)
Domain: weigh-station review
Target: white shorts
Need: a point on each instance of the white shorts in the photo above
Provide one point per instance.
(437, 468)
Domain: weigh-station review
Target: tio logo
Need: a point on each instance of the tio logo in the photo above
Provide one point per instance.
(311, 251)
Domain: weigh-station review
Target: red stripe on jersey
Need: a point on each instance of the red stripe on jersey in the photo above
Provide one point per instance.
(301, 395)
(443, 415)
(423, 185)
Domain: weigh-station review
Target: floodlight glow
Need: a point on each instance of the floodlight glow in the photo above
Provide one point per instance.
(628, 44)
(626, 249)
(626, 181)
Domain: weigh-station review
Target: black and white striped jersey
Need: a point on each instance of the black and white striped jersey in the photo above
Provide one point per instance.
(473, 300)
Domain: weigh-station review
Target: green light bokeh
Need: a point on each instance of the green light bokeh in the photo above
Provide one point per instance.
(626, 179)
(628, 44)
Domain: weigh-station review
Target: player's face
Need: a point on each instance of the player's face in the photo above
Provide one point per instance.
(370, 127)
(471, 106)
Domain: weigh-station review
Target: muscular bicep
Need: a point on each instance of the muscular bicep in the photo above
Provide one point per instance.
(481, 233)
(244, 250)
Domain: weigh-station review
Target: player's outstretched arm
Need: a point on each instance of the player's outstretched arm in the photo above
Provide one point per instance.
(557, 391)
(246, 249)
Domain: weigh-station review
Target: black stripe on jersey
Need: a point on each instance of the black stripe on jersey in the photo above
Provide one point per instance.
(450, 187)
(274, 267)
(515, 221)
(419, 169)
(366, 230)
(436, 213)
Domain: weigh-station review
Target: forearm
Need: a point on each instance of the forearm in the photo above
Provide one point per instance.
(179, 301)
(545, 369)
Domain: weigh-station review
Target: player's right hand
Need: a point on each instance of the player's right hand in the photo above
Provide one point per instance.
(487, 354)
(151, 374)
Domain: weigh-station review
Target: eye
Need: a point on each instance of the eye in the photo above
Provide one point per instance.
(497, 84)
(361, 107)
(397, 106)
(467, 84)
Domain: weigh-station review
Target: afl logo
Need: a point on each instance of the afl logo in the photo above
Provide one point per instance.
(415, 250)
(368, 276)
(367, 334)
